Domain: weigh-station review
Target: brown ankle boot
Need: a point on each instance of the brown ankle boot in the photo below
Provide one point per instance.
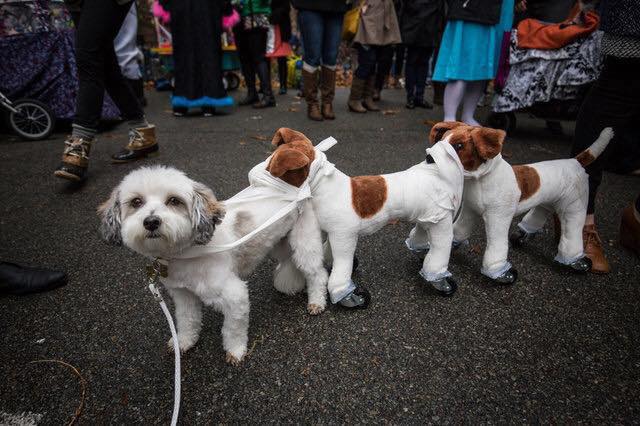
(327, 90)
(369, 90)
(593, 250)
(310, 87)
(142, 142)
(630, 230)
(355, 97)
(75, 159)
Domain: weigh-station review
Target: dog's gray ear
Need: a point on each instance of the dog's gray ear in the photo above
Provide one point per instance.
(110, 222)
(207, 212)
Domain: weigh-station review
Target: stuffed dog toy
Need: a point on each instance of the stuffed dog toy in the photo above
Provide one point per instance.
(162, 214)
(496, 191)
(428, 194)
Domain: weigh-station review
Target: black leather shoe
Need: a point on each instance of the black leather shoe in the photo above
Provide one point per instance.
(16, 279)
(410, 104)
(267, 101)
(250, 99)
(360, 298)
(71, 172)
(421, 103)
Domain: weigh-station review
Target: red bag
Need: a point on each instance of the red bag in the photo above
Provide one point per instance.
(281, 48)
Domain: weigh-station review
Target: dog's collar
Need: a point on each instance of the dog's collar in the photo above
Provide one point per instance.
(158, 268)
(430, 159)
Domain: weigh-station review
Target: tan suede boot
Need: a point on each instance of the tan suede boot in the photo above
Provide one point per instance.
(310, 87)
(327, 90)
(594, 251)
(142, 142)
(369, 90)
(75, 159)
(355, 97)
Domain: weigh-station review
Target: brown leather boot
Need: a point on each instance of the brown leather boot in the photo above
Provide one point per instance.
(630, 230)
(75, 159)
(142, 142)
(310, 87)
(327, 90)
(593, 250)
(369, 90)
(355, 97)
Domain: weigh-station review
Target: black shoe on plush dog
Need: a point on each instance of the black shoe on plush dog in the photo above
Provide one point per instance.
(507, 277)
(445, 286)
(357, 299)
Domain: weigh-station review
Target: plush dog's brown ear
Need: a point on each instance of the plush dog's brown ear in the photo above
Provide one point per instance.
(286, 159)
(488, 141)
(287, 135)
(206, 213)
(439, 129)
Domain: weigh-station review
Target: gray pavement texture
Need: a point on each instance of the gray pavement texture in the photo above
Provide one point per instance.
(553, 348)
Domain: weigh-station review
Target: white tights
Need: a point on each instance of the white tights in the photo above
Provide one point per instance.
(466, 92)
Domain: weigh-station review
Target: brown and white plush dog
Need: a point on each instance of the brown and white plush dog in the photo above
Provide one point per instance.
(496, 191)
(428, 194)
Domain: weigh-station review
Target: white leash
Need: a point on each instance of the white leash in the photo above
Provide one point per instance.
(154, 271)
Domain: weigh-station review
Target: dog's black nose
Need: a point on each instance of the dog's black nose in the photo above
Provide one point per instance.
(151, 223)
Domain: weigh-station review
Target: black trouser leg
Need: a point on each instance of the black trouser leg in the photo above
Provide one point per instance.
(400, 50)
(366, 61)
(383, 66)
(264, 72)
(99, 24)
(246, 61)
(411, 72)
(282, 71)
(422, 70)
(612, 101)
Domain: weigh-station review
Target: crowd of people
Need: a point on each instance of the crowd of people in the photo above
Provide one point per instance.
(455, 44)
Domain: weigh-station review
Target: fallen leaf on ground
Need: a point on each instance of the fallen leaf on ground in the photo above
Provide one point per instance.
(292, 109)
(390, 111)
(259, 137)
(430, 122)
(475, 249)
(243, 142)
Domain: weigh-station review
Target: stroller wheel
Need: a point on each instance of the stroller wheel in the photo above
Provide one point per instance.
(233, 81)
(503, 120)
(33, 120)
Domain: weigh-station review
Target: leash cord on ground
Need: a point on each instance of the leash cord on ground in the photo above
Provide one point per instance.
(176, 350)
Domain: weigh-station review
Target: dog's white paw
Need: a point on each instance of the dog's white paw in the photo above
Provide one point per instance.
(184, 343)
(316, 309)
(234, 359)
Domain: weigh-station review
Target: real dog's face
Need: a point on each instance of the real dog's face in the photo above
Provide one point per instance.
(474, 144)
(291, 161)
(158, 211)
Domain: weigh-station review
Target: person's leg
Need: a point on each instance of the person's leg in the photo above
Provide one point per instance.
(332, 30)
(383, 67)
(312, 30)
(453, 93)
(263, 67)
(612, 101)
(99, 23)
(282, 74)
(472, 94)
(246, 66)
(422, 70)
(366, 64)
(369, 88)
(410, 75)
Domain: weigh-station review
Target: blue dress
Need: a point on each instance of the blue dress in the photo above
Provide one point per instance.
(471, 51)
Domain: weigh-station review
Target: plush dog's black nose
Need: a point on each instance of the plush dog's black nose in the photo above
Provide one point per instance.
(151, 223)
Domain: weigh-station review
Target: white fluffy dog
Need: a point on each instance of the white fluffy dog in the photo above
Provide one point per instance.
(160, 213)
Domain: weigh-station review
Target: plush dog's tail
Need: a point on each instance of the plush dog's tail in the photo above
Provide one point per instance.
(590, 154)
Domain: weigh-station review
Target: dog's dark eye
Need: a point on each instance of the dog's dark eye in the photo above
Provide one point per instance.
(136, 202)
(458, 146)
(174, 201)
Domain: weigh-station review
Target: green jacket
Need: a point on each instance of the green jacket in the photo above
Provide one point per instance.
(256, 7)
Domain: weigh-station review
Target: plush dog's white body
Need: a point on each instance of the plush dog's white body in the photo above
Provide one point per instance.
(427, 194)
(161, 213)
(496, 192)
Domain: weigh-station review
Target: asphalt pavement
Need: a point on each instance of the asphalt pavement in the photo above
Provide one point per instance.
(553, 348)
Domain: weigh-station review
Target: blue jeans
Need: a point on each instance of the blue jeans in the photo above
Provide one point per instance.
(321, 35)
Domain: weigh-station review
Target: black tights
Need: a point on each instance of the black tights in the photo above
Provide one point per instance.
(98, 69)
(612, 101)
(282, 71)
(251, 47)
(416, 71)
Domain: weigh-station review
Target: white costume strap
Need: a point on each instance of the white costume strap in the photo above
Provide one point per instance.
(266, 186)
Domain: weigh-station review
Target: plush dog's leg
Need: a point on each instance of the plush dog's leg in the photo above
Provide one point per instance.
(530, 225)
(418, 241)
(435, 268)
(341, 289)
(570, 249)
(494, 263)
(464, 226)
(188, 318)
(287, 278)
(305, 240)
(232, 299)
